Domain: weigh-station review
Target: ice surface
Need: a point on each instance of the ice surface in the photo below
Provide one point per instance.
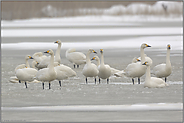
(134, 107)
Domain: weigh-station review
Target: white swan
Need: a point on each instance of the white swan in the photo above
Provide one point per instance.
(113, 70)
(46, 61)
(134, 70)
(63, 72)
(148, 59)
(47, 74)
(26, 74)
(153, 82)
(164, 70)
(104, 69)
(77, 58)
(90, 69)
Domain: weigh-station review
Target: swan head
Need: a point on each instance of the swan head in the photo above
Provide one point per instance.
(58, 42)
(92, 51)
(146, 63)
(144, 45)
(95, 58)
(49, 52)
(28, 57)
(168, 46)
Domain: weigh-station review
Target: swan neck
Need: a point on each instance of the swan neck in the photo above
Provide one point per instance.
(102, 58)
(51, 64)
(27, 63)
(148, 76)
(142, 55)
(87, 58)
(98, 61)
(58, 53)
(168, 57)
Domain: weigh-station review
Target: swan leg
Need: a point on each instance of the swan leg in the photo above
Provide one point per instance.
(86, 80)
(49, 85)
(99, 80)
(77, 66)
(165, 79)
(139, 81)
(43, 84)
(26, 84)
(133, 81)
(19, 81)
(95, 81)
(74, 65)
(60, 83)
(107, 81)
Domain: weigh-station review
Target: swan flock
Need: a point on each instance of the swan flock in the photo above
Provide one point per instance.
(49, 68)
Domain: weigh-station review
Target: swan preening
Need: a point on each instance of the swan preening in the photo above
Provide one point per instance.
(152, 82)
(55, 70)
(164, 70)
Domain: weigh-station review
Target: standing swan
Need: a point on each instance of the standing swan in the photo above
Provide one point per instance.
(152, 82)
(164, 70)
(26, 74)
(77, 58)
(134, 70)
(104, 69)
(47, 74)
(90, 69)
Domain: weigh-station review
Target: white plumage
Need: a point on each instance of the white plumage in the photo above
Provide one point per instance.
(164, 70)
(47, 74)
(77, 58)
(90, 69)
(153, 82)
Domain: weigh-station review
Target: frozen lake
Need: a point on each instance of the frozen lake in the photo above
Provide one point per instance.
(117, 101)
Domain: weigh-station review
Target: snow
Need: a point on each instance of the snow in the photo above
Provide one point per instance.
(97, 108)
(46, 32)
(174, 41)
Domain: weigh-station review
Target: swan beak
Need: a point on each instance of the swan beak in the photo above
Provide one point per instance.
(46, 51)
(93, 58)
(101, 50)
(144, 63)
(30, 57)
(138, 60)
(148, 45)
(94, 52)
(56, 42)
(169, 47)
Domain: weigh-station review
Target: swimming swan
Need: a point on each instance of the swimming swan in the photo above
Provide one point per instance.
(153, 82)
(134, 70)
(26, 74)
(46, 61)
(164, 70)
(90, 69)
(47, 74)
(104, 69)
(77, 58)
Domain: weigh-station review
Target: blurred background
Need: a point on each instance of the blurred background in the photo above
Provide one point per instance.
(38, 9)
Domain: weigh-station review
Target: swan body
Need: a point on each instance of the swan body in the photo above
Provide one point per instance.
(153, 82)
(163, 70)
(47, 74)
(113, 70)
(64, 72)
(104, 69)
(24, 72)
(38, 56)
(90, 69)
(46, 61)
(74, 57)
(134, 70)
